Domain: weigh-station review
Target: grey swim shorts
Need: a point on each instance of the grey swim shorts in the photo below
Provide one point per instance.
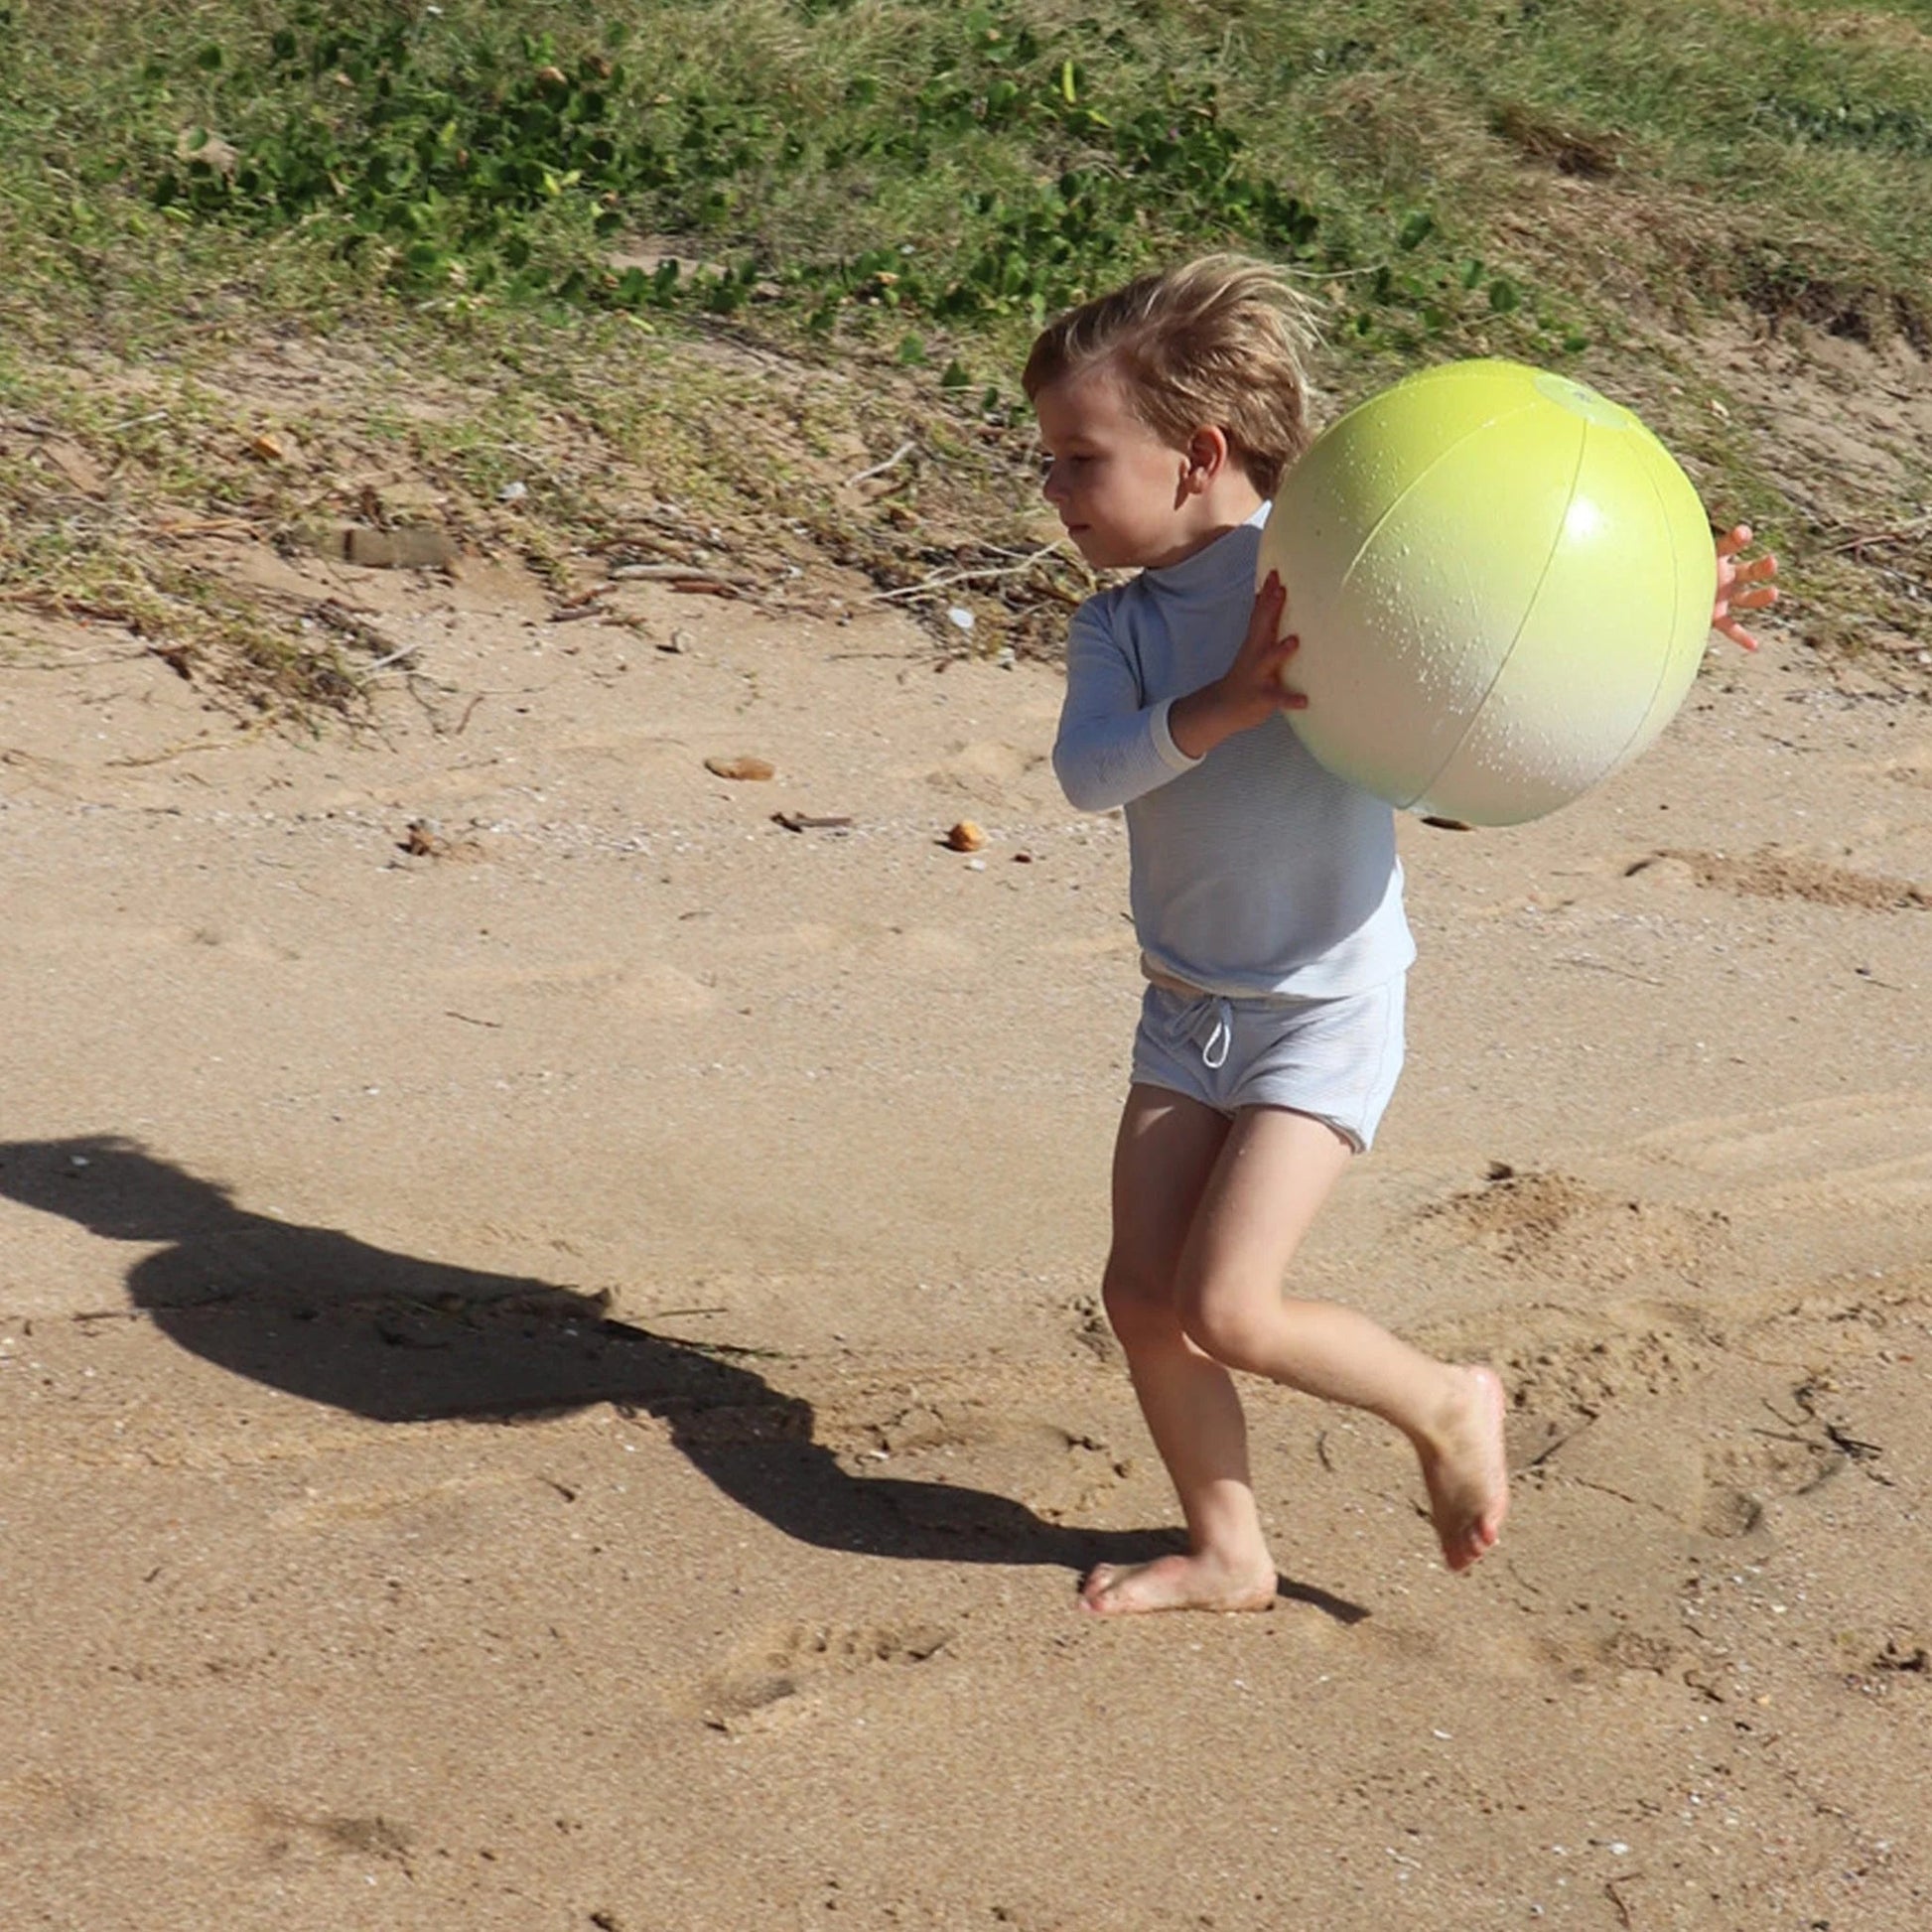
(1336, 1059)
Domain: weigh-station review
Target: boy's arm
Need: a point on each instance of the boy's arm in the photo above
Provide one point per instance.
(1110, 748)
(1251, 690)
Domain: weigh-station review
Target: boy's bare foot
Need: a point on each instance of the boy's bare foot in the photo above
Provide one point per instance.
(1191, 1582)
(1466, 1471)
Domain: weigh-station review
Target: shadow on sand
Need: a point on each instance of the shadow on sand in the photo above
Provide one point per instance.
(322, 1315)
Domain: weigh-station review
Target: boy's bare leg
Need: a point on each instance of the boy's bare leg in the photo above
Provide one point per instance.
(1274, 1171)
(1164, 1157)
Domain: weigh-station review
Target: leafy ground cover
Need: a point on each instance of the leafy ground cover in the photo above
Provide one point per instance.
(713, 261)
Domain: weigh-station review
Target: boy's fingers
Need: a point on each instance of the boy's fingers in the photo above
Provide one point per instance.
(1275, 664)
(1292, 699)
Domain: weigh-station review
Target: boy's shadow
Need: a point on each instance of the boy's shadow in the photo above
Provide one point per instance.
(322, 1315)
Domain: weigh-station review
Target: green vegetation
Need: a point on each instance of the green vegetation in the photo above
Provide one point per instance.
(492, 188)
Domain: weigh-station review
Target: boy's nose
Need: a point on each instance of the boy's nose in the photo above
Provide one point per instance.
(1051, 486)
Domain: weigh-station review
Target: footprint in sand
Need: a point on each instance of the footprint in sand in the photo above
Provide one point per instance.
(923, 952)
(946, 1449)
(1743, 1477)
(650, 986)
(164, 1821)
(775, 1680)
(1542, 1220)
(1570, 1371)
(1720, 1491)
(1772, 872)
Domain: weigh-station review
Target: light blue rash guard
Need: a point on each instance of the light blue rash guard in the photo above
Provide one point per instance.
(1254, 871)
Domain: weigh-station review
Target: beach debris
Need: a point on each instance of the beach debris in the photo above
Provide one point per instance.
(693, 578)
(1904, 1656)
(743, 767)
(412, 546)
(813, 821)
(899, 454)
(424, 838)
(965, 837)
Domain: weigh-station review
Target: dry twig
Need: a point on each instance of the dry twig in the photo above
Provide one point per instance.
(981, 574)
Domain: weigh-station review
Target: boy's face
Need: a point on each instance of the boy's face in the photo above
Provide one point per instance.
(1121, 493)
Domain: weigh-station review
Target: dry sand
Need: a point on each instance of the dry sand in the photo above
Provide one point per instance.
(553, 1379)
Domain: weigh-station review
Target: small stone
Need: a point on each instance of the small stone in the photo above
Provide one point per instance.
(741, 767)
(965, 837)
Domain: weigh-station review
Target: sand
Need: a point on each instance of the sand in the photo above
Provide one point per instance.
(550, 1369)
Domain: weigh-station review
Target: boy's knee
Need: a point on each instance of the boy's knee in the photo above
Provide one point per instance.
(1139, 1305)
(1225, 1331)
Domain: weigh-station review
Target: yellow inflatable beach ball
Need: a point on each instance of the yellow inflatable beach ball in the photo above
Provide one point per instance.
(1502, 582)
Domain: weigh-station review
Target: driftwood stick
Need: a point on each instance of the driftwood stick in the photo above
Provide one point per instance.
(899, 454)
(980, 574)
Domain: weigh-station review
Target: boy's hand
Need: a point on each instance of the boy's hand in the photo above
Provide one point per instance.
(1252, 689)
(1741, 587)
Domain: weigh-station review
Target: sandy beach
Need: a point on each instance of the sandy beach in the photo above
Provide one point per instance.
(550, 1365)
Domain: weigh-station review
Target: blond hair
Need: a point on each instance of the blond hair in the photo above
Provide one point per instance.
(1220, 342)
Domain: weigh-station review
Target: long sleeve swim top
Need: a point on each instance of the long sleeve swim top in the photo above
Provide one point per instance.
(1253, 871)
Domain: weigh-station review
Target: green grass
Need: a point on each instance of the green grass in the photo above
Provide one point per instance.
(522, 195)
(964, 171)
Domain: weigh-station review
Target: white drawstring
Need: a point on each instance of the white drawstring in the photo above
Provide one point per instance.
(1214, 1049)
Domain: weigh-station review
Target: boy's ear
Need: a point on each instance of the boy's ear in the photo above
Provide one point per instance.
(1208, 457)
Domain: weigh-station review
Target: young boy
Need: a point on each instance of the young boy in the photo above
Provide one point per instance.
(1267, 898)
